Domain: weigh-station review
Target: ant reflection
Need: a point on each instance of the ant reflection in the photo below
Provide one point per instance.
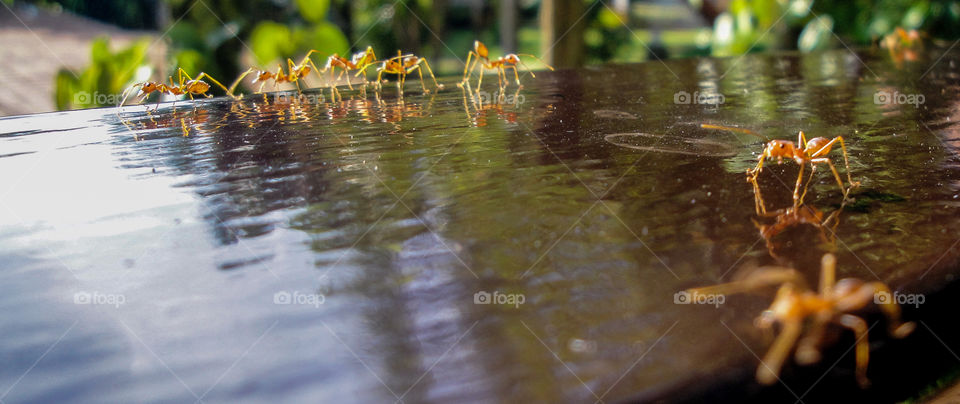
(198, 120)
(483, 104)
(789, 220)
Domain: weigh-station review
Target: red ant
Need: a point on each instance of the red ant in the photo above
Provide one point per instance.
(480, 55)
(403, 65)
(297, 72)
(814, 151)
(185, 85)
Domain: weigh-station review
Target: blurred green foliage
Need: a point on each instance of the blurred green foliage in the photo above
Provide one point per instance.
(107, 76)
(808, 25)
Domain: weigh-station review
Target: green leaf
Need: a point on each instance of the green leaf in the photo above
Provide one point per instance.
(100, 51)
(324, 37)
(314, 10)
(65, 86)
(270, 42)
(190, 60)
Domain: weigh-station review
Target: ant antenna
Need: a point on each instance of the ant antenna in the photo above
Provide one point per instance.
(126, 93)
(734, 129)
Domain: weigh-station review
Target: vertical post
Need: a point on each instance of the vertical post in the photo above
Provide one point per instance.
(508, 26)
(561, 32)
(439, 25)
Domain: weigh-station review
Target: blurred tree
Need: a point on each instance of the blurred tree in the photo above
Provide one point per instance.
(561, 32)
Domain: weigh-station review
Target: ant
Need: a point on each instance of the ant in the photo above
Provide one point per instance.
(481, 56)
(814, 151)
(403, 65)
(185, 85)
(297, 72)
(903, 45)
(359, 61)
(832, 303)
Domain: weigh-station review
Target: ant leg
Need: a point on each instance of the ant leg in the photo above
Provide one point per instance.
(344, 74)
(537, 59)
(880, 294)
(753, 174)
(766, 276)
(202, 75)
(796, 189)
(813, 169)
(801, 140)
(430, 71)
(846, 161)
(379, 83)
(828, 274)
(466, 67)
(807, 351)
(516, 75)
(769, 368)
(836, 175)
(480, 81)
(859, 328)
(420, 72)
(180, 74)
(236, 82)
(759, 205)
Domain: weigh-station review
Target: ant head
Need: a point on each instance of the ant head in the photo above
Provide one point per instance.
(410, 61)
(481, 49)
(148, 87)
(302, 71)
(779, 148)
(512, 59)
